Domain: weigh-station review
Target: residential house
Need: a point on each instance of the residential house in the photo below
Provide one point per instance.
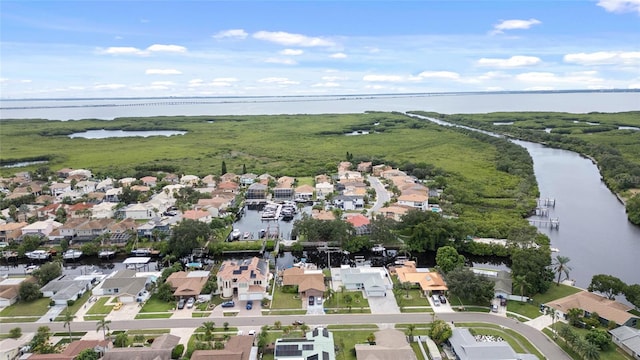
(394, 212)
(247, 179)
(501, 278)
(283, 190)
(150, 181)
(229, 187)
(344, 166)
(265, 179)
(64, 172)
(350, 176)
(140, 188)
(323, 215)
(160, 349)
(247, 279)
(57, 189)
(317, 344)
(187, 284)
(236, 348)
(360, 223)
(323, 189)
(309, 282)
(103, 210)
(10, 348)
(378, 169)
(79, 210)
(257, 191)
(86, 186)
(137, 212)
(391, 344)
(72, 350)
(430, 282)
(374, 281)
(49, 212)
(390, 173)
(171, 178)
(42, 228)
(80, 173)
(10, 289)
(466, 347)
(608, 310)
(91, 229)
(122, 231)
(416, 201)
(209, 181)
(229, 177)
(365, 167)
(11, 231)
(197, 215)
(304, 192)
(153, 227)
(125, 285)
(128, 181)
(65, 289)
(628, 339)
(349, 202)
(105, 185)
(189, 180)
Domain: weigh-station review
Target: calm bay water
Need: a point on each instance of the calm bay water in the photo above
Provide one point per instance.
(594, 231)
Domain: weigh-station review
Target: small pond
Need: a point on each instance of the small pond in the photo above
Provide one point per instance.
(105, 134)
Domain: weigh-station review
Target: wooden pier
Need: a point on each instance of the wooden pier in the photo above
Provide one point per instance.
(547, 202)
(553, 223)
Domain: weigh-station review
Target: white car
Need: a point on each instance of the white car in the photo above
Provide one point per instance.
(190, 302)
(252, 332)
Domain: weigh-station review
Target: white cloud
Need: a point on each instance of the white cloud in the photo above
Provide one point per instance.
(540, 88)
(383, 78)
(167, 48)
(338, 56)
(288, 39)
(162, 83)
(195, 82)
(122, 50)
(326, 84)
(149, 87)
(278, 80)
(334, 78)
(449, 75)
(3, 80)
(163, 72)
(227, 79)
(512, 62)
(578, 79)
(514, 24)
(604, 58)
(283, 61)
(291, 52)
(231, 34)
(634, 86)
(109, 86)
(620, 6)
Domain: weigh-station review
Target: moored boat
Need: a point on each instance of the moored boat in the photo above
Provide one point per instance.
(72, 254)
(105, 254)
(38, 255)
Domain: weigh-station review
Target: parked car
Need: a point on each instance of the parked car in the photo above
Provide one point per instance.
(443, 299)
(494, 308)
(251, 332)
(298, 322)
(311, 300)
(436, 300)
(181, 304)
(228, 304)
(249, 304)
(190, 302)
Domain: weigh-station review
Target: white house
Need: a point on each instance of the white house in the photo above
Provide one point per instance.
(416, 201)
(323, 189)
(374, 281)
(103, 210)
(86, 186)
(41, 227)
(138, 212)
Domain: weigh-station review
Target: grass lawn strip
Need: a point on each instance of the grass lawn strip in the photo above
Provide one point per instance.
(282, 300)
(99, 308)
(155, 305)
(153, 316)
(34, 308)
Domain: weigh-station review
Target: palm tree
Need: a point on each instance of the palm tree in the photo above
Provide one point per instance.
(104, 326)
(410, 329)
(520, 282)
(590, 351)
(560, 266)
(68, 318)
(209, 327)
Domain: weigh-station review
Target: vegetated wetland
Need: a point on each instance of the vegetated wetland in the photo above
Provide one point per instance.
(612, 140)
(486, 180)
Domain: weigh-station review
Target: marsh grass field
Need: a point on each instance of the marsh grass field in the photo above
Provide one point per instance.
(294, 145)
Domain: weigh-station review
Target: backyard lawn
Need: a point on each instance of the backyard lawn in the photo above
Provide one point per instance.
(34, 308)
(532, 310)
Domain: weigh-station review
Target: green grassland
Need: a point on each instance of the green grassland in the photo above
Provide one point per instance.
(296, 145)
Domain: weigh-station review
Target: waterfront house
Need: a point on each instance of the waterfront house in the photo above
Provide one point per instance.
(283, 190)
(42, 228)
(360, 223)
(11, 231)
(121, 231)
(10, 289)
(64, 289)
(628, 339)
(187, 284)
(349, 202)
(245, 279)
(607, 309)
(503, 284)
(430, 282)
(154, 226)
(257, 191)
(309, 282)
(374, 281)
(137, 212)
(197, 215)
(303, 192)
(394, 212)
(236, 348)
(91, 229)
(125, 285)
(323, 215)
(390, 344)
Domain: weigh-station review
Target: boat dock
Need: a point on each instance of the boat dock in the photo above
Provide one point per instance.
(551, 223)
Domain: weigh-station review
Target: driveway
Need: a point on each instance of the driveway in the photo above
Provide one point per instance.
(384, 304)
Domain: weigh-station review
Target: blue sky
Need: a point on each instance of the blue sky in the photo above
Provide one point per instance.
(56, 49)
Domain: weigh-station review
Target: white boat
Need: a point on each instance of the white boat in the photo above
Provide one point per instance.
(553, 249)
(72, 254)
(38, 255)
(378, 248)
(141, 252)
(235, 234)
(105, 254)
(246, 235)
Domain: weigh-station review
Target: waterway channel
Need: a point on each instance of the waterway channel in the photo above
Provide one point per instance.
(594, 231)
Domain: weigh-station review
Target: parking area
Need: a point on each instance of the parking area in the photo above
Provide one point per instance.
(440, 308)
(384, 304)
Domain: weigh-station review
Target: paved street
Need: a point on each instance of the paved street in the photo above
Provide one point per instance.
(538, 339)
(382, 195)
